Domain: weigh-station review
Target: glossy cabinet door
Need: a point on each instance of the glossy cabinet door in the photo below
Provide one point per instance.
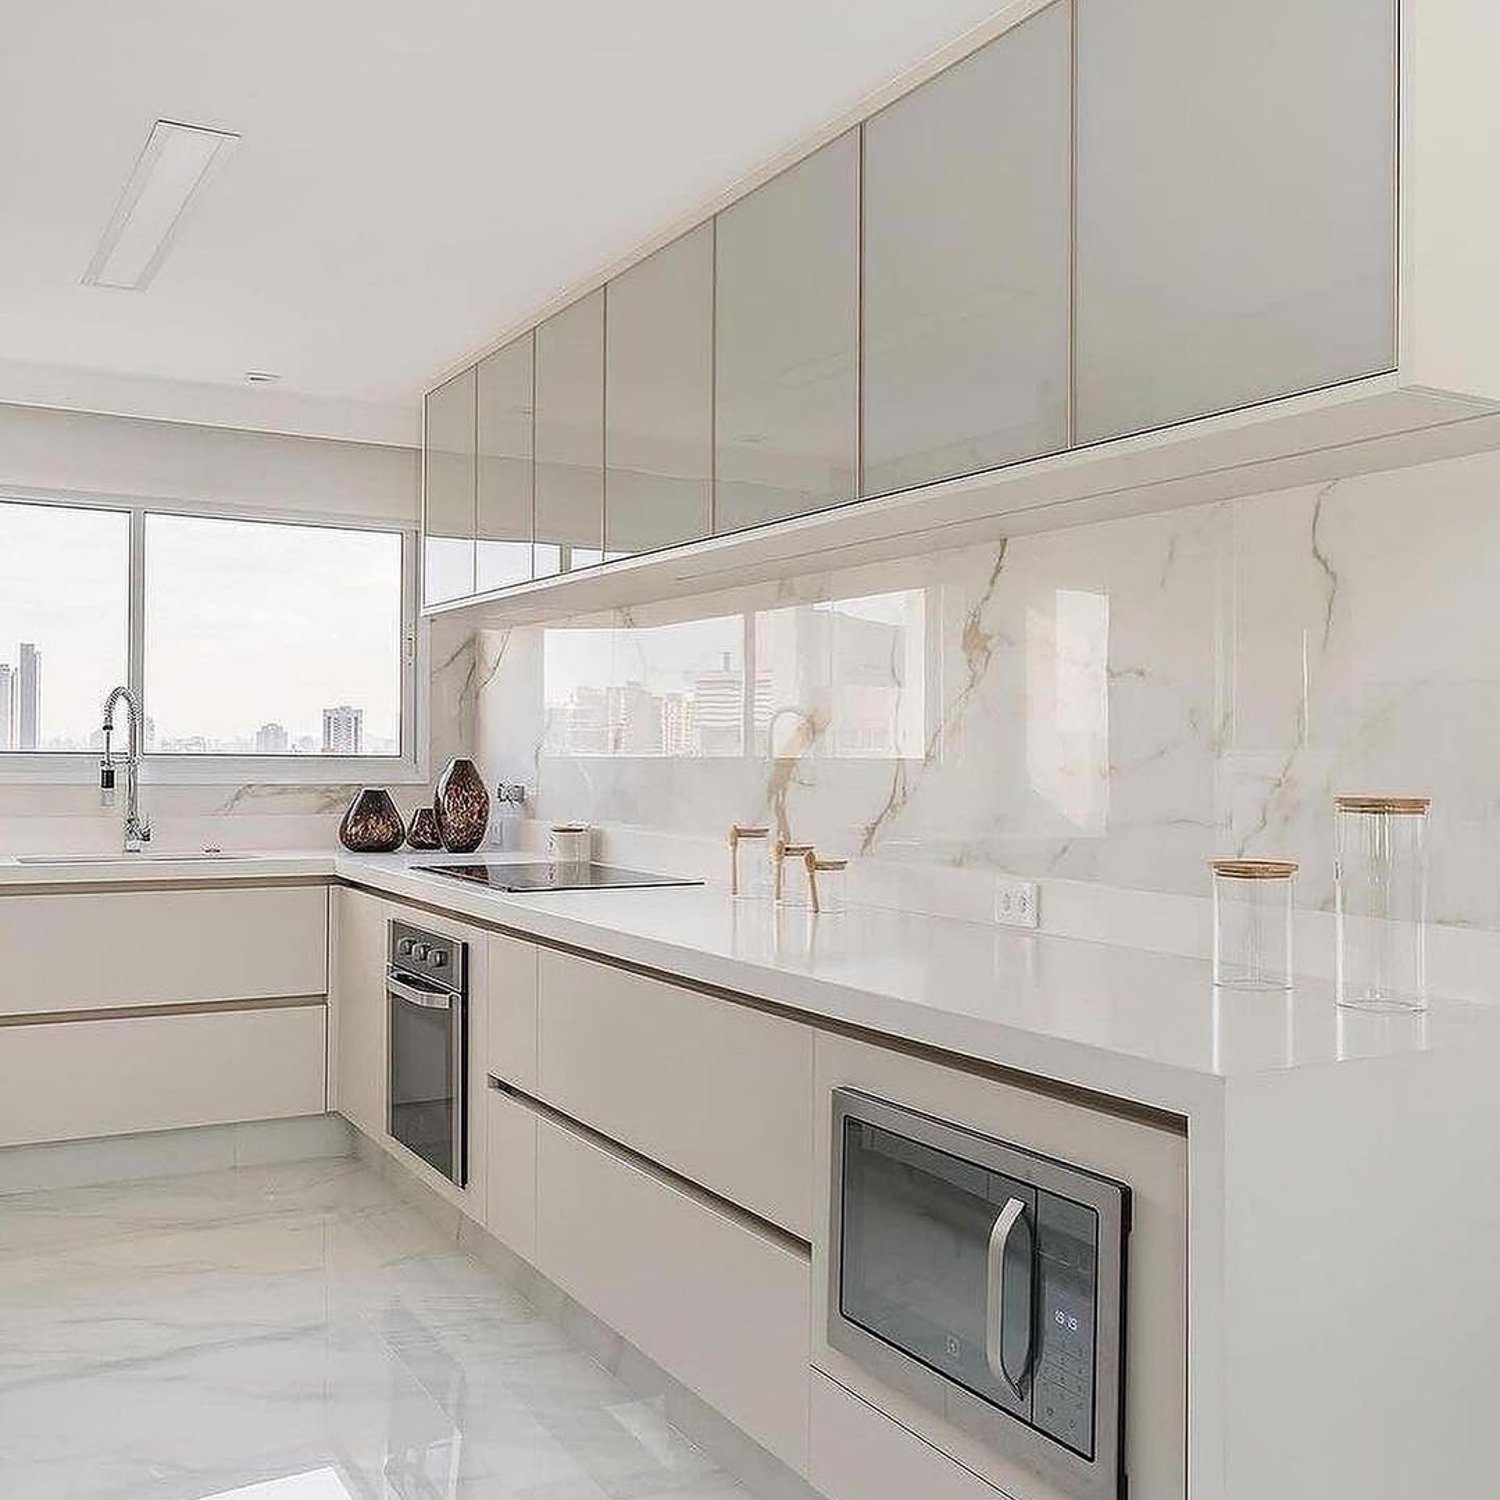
(504, 501)
(787, 323)
(448, 473)
(1236, 204)
(658, 398)
(966, 263)
(570, 438)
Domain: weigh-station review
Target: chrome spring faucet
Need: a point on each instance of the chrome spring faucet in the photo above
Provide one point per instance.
(137, 826)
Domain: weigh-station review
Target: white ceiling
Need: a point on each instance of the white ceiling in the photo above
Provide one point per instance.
(412, 178)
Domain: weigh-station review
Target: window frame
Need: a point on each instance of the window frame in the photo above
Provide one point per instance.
(65, 767)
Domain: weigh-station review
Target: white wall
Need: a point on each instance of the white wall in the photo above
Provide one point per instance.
(48, 452)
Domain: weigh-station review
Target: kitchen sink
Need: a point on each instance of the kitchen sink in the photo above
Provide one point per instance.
(155, 856)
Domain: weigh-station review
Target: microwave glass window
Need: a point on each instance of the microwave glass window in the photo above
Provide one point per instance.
(915, 1247)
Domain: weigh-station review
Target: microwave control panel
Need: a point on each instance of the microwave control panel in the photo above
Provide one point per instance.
(1062, 1402)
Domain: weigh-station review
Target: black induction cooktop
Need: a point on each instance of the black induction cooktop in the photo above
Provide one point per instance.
(516, 876)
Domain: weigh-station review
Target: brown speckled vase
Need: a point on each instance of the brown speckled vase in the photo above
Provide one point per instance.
(422, 832)
(463, 807)
(372, 825)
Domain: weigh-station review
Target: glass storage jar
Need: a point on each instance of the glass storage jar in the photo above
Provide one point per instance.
(1253, 923)
(789, 872)
(827, 880)
(1380, 889)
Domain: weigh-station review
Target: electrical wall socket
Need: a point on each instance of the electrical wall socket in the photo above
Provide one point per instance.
(1016, 903)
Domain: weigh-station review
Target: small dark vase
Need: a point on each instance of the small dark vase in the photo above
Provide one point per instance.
(463, 807)
(422, 832)
(372, 825)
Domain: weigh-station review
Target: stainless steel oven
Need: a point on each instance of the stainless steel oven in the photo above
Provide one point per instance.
(985, 1281)
(427, 995)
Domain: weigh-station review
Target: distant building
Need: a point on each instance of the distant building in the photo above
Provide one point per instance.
(28, 712)
(272, 739)
(7, 707)
(719, 710)
(635, 720)
(677, 737)
(343, 730)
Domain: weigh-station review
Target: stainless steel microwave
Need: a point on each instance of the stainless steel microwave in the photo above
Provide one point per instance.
(986, 1282)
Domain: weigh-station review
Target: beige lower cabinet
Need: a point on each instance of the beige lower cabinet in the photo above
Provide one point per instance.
(95, 950)
(859, 1453)
(719, 1092)
(719, 1304)
(70, 1080)
(510, 1172)
(359, 1007)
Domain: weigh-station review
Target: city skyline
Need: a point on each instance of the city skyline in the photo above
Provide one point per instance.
(316, 622)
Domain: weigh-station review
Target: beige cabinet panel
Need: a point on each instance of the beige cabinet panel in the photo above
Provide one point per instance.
(510, 1186)
(719, 1092)
(569, 436)
(857, 1453)
(359, 1005)
(966, 268)
(71, 1080)
(1236, 204)
(718, 1305)
(658, 394)
(786, 321)
(512, 1004)
(448, 477)
(503, 502)
(92, 950)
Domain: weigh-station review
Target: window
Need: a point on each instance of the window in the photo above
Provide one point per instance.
(263, 640)
(64, 622)
(302, 625)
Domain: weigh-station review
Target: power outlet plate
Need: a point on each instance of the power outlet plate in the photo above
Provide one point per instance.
(1016, 903)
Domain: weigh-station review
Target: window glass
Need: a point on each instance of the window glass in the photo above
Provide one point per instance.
(64, 607)
(271, 639)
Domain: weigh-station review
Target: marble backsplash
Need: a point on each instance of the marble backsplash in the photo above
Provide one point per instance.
(1109, 705)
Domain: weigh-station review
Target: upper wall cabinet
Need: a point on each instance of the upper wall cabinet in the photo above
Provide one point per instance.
(1126, 254)
(658, 398)
(966, 263)
(448, 492)
(504, 501)
(787, 324)
(569, 436)
(1236, 204)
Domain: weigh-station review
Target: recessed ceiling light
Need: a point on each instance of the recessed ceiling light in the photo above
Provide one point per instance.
(261, 377)
(175, 163)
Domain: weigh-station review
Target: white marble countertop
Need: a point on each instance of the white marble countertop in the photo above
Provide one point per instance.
(1135, 1024)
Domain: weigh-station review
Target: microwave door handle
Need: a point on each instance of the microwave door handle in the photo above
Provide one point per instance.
(1012, 1214)
(427, 999)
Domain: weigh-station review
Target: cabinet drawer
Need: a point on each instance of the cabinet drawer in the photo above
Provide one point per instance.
(511, 1054)
(859, 1453)
(510, 1184)
(717, 1091)
(68, 1080)
(718, 1304)
(97, 950)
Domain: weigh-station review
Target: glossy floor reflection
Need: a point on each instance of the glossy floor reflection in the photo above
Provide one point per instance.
(296, 1333)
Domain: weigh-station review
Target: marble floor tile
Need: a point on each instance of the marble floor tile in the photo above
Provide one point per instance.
(296, 1332)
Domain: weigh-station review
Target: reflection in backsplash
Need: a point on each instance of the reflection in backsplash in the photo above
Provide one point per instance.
(1115, 703)
(842, 677)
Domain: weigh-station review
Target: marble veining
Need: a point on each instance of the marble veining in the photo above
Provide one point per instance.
(1114, 703)
(296, 1333)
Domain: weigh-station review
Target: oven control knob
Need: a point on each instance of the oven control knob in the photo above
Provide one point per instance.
(439, 957)
(404, 946)
(419, 951)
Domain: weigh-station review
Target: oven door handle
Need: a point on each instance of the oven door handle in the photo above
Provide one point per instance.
(1012, 1214)
(413, 995)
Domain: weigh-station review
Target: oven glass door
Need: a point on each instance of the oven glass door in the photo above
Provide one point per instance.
(937, 1261)
(426, 1073)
